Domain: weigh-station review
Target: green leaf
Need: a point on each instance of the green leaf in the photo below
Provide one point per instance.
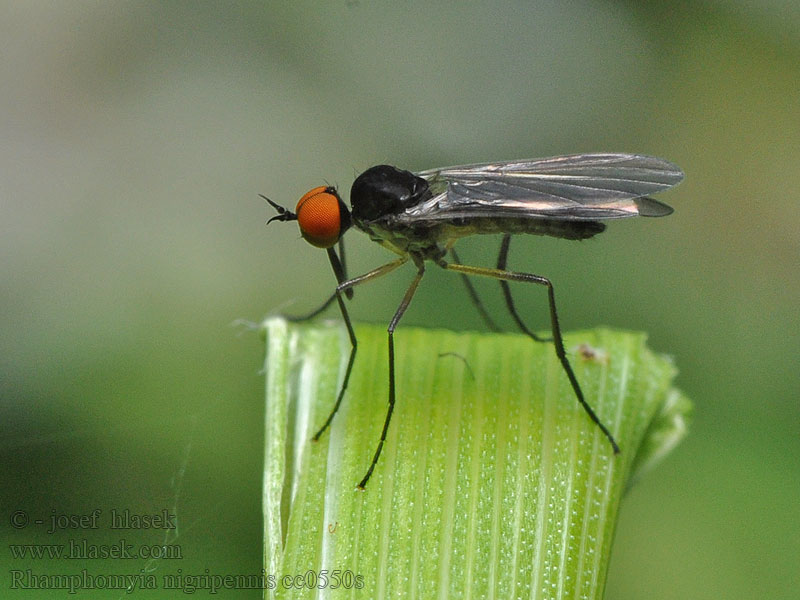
(493, 481)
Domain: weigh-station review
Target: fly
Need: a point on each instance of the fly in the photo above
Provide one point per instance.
(420, 216)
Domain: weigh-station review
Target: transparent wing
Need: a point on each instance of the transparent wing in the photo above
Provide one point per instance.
(575, 187)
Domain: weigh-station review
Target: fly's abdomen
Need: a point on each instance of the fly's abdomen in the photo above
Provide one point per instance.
(445, 231)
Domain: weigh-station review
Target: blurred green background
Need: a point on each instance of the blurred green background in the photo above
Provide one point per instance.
(136, 137)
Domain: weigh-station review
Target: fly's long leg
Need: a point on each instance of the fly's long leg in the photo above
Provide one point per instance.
(340, 289)
(313, 313)
(340, 271)
(341, 275)
(502, 259)
(392, 325)
(473, 294)
(504, 275)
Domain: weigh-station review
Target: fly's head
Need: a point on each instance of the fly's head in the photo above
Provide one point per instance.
(322, 216)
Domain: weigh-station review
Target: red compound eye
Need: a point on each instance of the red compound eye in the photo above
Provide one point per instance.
(319, 214)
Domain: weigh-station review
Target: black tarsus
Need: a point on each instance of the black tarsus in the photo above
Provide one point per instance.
(310, 315)
(392, 325)
(505, 275)
(340, 289)
(337, 268)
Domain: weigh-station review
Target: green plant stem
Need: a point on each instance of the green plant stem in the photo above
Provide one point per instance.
(493, 481)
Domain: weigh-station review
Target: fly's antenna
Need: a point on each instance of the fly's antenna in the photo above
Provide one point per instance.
(283, 214)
